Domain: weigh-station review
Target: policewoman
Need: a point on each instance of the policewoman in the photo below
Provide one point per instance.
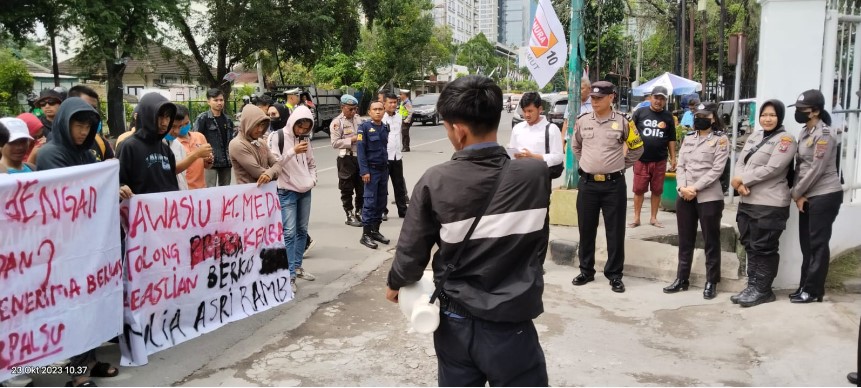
(371, 143)
(702, 159)
(761, 180)
(817, 193)
(599, 144)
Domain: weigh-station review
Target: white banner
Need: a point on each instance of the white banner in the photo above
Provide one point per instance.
(547, 48)
(198, 260)
(60, 265)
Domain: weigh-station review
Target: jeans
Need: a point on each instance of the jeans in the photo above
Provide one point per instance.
(218, 176)
(295, 213)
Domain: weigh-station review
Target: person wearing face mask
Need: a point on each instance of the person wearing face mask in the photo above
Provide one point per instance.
(702, 158)
(192, 152)
(817, 193)
(762, 170)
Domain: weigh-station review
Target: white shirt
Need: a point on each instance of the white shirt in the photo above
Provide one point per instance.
(179, 154)
(394, 146)
(531, 137)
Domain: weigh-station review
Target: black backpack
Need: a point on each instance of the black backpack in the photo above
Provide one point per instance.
(555, 171)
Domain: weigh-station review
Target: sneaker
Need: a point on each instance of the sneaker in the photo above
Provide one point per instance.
(310, 244)
(302, 274)
(293, 285)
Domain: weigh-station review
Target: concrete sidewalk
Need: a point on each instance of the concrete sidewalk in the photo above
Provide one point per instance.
(591, 336)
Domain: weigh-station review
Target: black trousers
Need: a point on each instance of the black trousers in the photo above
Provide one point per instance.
(814, 233)
(396, 175)
(405, 135)
(708, 214)
(350, 182)
(760, 237)
(610, 198)
(472, 352)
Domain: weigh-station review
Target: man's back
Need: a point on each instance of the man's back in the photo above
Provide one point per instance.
(499, 278)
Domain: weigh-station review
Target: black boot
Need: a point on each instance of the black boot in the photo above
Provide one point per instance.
(710, 291)
(678, 285)
(751, 279)
(366, 239)
(375, 234)
(351, 219)
(766, 270)
(358, 215)
(797, 292)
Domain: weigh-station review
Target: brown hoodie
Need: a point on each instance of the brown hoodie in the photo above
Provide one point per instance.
(251, 157)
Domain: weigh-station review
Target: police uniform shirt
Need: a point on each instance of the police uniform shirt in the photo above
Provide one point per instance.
(372, 141)
(599, 144)
(341, 131)
(701, 162)
(816, 163)
(765, 171)
(393, 148)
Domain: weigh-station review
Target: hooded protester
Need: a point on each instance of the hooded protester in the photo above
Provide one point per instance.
(251, 159)
(147, 164)
(296, 178)
(761, 179)
(74, 132)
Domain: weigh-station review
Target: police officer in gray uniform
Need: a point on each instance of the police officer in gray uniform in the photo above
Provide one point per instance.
(344, 134)
(817, 193)
(762, 169)
(702, 159)
(599, 145)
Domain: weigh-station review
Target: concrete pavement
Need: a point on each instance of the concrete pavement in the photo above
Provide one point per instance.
(340, 330)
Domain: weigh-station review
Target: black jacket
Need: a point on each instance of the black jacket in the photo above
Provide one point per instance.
(61, 150)
(147, 164)
(499, 278)
(205, 123)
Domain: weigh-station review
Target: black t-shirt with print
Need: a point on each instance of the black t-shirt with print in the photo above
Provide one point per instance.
(656, 129)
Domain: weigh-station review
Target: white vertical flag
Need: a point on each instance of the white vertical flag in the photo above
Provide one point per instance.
(547, 48)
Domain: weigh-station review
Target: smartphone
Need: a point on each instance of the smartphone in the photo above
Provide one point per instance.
(303, 138)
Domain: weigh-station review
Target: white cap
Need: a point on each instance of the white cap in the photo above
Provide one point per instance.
(293, 91)
(405, 91)
(17, 128)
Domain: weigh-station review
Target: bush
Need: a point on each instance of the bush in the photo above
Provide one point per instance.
(14, 80)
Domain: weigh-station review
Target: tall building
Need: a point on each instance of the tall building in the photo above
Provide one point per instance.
(505, 22)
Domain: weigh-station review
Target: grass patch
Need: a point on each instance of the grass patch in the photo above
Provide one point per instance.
(844, 267)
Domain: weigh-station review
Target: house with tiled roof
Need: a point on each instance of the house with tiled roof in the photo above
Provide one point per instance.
(43, 77)
(159, 67)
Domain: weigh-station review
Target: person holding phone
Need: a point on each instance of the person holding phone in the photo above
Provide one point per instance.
(817, 193)
(296, 178)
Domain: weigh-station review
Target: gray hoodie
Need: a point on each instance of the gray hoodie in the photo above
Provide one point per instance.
(62, 151)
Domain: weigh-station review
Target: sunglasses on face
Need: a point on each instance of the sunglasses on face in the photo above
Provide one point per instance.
(48, 102)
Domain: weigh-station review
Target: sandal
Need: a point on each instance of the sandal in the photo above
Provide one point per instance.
(103, 369)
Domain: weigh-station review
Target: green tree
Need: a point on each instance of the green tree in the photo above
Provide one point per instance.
(234, 31)
(602, 32)
(21, 17)
(479, 55)
(389, 52)
(28, 49)
(335, 70)
(14, 80)
(110, 35)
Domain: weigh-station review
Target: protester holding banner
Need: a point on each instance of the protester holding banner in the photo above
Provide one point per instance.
(74, 133)
(147, 164)
(15, 148)
(250, 156)
(296, 178)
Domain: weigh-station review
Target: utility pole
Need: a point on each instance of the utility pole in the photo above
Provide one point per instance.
(682, 20)
(704, 30)
(691, 48)
(575, 71)
(721, 51)
(598, 59)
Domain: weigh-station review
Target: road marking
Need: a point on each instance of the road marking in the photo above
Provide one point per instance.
(418, 145)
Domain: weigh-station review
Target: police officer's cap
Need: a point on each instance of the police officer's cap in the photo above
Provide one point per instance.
(293, 91)
(660, 91)
(706, 108)
(810, 99)
(349, 100)
(405, 91)
(602, 88)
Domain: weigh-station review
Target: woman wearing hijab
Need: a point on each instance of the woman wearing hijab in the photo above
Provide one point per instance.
(817, 193)
(763, 169)
(702, 158)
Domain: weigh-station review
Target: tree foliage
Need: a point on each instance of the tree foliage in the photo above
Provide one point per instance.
(14, 80)
(478, 55)
(336, 70)
(391, 50)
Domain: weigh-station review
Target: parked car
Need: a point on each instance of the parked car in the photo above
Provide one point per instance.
(424, 109)
(554, 109)
(327, 104)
